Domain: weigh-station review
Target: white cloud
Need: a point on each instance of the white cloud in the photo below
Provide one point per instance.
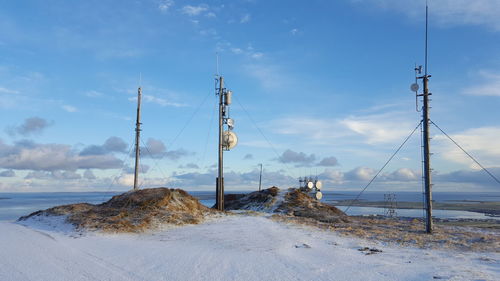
(209, 32)
(235, 179)
(257, 55)
(447, 12)
(69, 108)
(93, 94)
(248, 51)
(28, 155)
(360, 174)
(165, 5)
(237, 51)
(194, 10)
(479, 142)
(270, 77)
(403, 174)
(475, 177)
(372, 129)
(294, 31)
(245, 18)
(490, 86)
(211, 15)
(8, 91)
(379, 128)
(157, 100)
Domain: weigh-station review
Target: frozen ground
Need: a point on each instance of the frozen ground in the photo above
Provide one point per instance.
(229, 248)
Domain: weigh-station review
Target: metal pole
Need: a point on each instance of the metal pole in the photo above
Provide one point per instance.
(427, 164)
(425, 117)
(260, 177)
(137, 137)
(220, 176)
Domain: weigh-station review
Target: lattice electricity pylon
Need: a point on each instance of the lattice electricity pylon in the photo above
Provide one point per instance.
(390, 205)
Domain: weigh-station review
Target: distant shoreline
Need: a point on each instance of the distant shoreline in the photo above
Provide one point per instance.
(489, 208)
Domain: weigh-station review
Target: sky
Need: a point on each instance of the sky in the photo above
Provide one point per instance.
(321, 88)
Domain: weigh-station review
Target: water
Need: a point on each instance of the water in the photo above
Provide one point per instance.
(15, 205)
(416, 213)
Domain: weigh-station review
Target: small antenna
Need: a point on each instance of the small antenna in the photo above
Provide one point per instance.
(217, 64)
(426, 33)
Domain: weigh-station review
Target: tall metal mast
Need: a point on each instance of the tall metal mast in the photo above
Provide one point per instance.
(137, 138)
(220, 176)
(426, 143)
(227, 138)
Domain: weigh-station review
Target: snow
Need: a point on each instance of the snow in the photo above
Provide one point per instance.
(238, 247)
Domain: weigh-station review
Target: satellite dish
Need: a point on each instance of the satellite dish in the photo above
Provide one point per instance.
(318, 185)
(230, 140)
(230, 122)
(414, 87)
(319, 195)
(310, 184)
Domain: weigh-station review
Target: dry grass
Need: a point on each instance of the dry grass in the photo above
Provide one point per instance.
(134, 211)
(299, 204)
(407, 232)
(258, 200)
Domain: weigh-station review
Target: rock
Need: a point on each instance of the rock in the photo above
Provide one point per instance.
(303, 245)
(370, 251)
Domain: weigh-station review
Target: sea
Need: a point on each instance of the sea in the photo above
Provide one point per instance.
(15, 205)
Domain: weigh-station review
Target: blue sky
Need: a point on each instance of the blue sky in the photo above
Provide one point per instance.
(320, 87)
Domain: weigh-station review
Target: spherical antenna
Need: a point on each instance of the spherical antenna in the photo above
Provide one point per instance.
(318, 185)
(310, 184)
(319, 195)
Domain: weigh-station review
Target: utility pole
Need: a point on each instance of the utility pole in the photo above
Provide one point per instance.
(260, 177)
(227, 139)
(137, 138)
(425, 135)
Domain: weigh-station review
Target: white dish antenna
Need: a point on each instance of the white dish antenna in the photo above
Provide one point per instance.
(230, 122)
(230, 140)
(318, 185)
(310, 184)
(319, 195)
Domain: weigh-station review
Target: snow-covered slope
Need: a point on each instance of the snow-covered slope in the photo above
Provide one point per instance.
(227, 248)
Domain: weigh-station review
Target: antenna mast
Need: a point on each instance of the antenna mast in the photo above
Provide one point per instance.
(137, 138)
(425, 135)
(227, 138)
(220, 176)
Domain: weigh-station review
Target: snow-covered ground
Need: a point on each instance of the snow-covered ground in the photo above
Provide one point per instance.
(228, 248)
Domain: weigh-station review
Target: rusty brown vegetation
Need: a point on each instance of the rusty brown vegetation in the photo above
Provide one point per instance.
(149, 209)
(406, 232)
(299, 204)
(134, 211)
